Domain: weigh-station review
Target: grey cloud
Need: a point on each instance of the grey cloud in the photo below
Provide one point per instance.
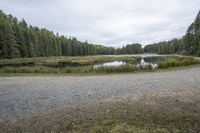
(108, 22)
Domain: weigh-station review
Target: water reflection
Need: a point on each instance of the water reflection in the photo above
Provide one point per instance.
(142, 62)
(111, 64)
(154, 59)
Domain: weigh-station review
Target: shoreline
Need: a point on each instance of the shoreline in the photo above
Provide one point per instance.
(98, 74)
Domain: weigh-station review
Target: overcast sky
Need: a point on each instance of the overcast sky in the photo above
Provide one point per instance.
(108, 22)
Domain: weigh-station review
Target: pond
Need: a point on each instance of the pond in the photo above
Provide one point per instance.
(141, 62)
(111, 64)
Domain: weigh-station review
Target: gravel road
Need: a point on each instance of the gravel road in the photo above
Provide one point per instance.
(20, 96)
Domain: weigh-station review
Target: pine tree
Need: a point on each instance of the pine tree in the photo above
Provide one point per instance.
(8, 43)
(20, 40)
(29, 44)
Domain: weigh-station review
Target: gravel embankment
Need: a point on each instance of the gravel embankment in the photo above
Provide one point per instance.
(21, 96)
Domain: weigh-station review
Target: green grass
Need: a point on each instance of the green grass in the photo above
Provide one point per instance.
(177, 62)
(120, 69)
(124, 128)
(46, 70)
(70, 70)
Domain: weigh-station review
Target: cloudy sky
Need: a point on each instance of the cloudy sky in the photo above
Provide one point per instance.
(108, 22)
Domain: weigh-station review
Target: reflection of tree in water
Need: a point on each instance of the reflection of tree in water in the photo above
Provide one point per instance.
(154, 59)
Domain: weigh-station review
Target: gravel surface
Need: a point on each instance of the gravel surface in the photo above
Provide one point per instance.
(21, 96)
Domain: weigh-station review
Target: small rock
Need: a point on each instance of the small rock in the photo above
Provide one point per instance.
(108, 111)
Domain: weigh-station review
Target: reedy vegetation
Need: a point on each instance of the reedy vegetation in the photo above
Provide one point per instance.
(83, 65)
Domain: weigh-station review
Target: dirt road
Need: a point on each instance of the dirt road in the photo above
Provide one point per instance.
(21, 96)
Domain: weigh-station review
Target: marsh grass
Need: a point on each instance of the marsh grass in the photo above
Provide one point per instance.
(82, 65)
(178, 61)
(46, 70)
(54, 61)
(71, 70)
(119, 69)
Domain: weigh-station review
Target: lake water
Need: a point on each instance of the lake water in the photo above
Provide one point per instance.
(111, 64)
(140, 62)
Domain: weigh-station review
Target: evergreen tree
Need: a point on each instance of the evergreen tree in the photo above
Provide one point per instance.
(29, 44)
(7, 40)
(18, 39)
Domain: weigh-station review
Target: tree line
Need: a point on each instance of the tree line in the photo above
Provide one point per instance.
(130, 49)
(189, 44)
(18, 39)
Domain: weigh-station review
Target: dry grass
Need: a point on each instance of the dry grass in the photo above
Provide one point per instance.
(87, 60)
